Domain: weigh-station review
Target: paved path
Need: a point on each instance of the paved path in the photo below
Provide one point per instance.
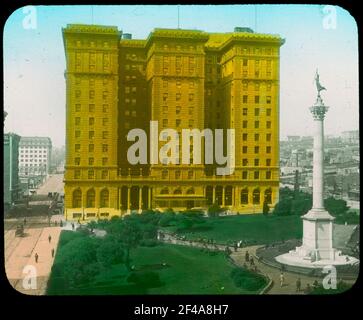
(20, 252)
(53, 184)
(238, 257)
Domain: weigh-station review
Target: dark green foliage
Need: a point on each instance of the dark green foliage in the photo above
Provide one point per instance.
(336, 207)
(283, 207)
(248, 280)
(109, 252)
(214, 210)
(266, 208)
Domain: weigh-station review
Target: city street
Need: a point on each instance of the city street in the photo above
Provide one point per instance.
(20, 252)
(53, 184)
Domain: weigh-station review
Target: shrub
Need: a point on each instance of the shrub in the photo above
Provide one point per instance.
(146, 279)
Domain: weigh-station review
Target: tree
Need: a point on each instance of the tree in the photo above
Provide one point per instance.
(214, 210)
(283, 207)
(336, 207)
(127, 233)
(266, 208)
(109, 252)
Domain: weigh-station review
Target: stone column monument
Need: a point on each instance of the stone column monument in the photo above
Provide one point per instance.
(317, 243)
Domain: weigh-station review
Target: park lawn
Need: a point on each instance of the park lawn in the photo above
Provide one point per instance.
(254, 228)
(186, 271)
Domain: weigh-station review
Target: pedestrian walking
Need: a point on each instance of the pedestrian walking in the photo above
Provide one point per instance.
(61, 224)
(52, 252)
(36, 257)
(247, 256)
(298, 285)
(24, 221)
(72, 226)
(282, 278)
(49, 238)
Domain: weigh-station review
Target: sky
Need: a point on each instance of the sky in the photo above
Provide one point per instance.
(317, 36)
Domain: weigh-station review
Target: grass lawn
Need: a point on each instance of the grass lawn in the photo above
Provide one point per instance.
(253, 228)
(186, 271)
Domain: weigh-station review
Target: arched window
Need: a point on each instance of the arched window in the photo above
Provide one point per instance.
(104, 198)
(177, 191)
(228, 195)
(77, 198)
(190, 191)
(268, 196)
(91, 198)
(256, 196)
(244, 196)
(164, 191)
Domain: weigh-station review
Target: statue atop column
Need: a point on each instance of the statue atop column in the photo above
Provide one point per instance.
(319, 87)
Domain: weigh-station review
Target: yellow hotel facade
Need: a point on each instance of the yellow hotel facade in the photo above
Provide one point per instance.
(182, 79)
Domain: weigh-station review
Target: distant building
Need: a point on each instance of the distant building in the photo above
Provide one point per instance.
(11, 177)
(293, 138)
(351, 137)
(34, 159)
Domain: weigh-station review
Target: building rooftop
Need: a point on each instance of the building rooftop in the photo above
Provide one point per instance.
(27, 141)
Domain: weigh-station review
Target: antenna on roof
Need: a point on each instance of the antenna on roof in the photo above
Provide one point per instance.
(178, 17)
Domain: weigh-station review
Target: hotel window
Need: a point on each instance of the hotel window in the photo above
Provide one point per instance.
(268, 112)
(257, 99)
(268, 74)
(268, 87)
(191, 85)
(256, 175)
(244, 85)
(91, 161)
(164, 174)
(244, 149)
(77, 133)
(104, 174)
(178, 95)
(257, 149)
(177, 109)
(268, 162)
(257, 124)
(91, 82)
(257, 74)
(105, 94)
(244, 162)
(105, 82)
(245, 62)
(257, 162)
(127, 113)
(78, 93)
(105, 108)
(244, 174)
(244, 136)
(257, 86)
(178, 84)
(133, 89)
(166, 70)
(245, 111)
(104, 134)
(268, 99)
(78, 107)
(178, 70)
(77, 174)
(177, 122)
(268, 149)
(77, 147)
(190, 174)
(165, 109)
(127, 89)
(104, 161)
(91, 121)
(133, 101)
(191, 110)
(245, 99)
(257, 136)
(268, 137)
(177, 174)
(191, 96)
(268, 174)
(91, 147)
(104, 148)
(165, 123)
(244, 124)
(105, 121)
(91, 94)
(91, 174)
(91, 108)
(127, 100)
(133, 113)
(165, 83)
(244, 73)
(268, 124)
(257, 112)
(165, 97)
